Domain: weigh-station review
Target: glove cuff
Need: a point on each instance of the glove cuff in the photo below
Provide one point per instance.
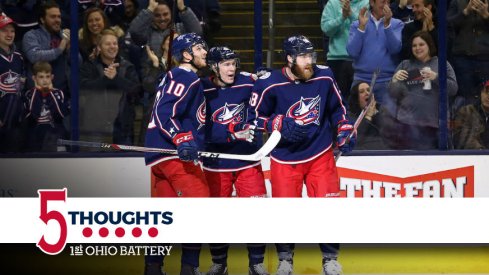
(183, 137)
(231, 126)
(345, 127)
(276, 123)
(341, 123)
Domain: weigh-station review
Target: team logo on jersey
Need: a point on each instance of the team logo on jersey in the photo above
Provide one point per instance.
(306, 109)
(201, 115)
(9, 82)
(229, 113)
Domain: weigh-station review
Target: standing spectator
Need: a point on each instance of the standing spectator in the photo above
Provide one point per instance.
(228, 130)
(47, 108)
(303, 102)
(94, 22)
(49, 43)
(469, 19)
(402, 10)
(114, 9)
(423, 21)
(335, 23)
(152, 25)
(153, 70)
(471, 130)
(374, 43)
(177, 122)
(108, 87)
(415, 88)
(368, 132)
(12, 78)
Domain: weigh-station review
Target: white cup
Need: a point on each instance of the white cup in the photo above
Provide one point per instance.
(427, 82)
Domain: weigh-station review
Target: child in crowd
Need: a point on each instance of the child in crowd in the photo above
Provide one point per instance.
(46, 107)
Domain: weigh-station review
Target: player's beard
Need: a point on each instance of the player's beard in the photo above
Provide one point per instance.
(302, 73)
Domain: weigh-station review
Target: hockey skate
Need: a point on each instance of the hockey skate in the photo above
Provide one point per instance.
(285, 268)
(153, 269)
(190, 270)
(258, 269)
(218, 269)
(331, 267)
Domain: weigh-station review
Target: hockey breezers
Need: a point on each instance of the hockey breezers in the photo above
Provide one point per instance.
(272, 141)
(363, 112)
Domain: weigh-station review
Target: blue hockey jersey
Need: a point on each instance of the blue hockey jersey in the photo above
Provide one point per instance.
(226, 105)
(11, 84)
(317, 102)
(179, 107)
(47, 108)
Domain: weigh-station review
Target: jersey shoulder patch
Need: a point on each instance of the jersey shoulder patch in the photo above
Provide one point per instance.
(245, 73)
(265, 75)
(322, 67)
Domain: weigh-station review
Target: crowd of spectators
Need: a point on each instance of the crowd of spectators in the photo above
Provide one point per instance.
(399, 38)
(123, 52)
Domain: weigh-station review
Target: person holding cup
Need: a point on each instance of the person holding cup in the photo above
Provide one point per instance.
(415, 88)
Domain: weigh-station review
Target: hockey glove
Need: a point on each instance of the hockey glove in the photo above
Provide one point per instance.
(186, 146)
(344, 144)
(243, 132)
(291, 130)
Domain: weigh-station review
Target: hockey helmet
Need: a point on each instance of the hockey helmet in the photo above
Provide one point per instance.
(218, 54)
(185, 42)
(297, 45)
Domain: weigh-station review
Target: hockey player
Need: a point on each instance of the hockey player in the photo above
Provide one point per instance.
(177, 122)
(303, 102)
(12, 79)
(227, 94)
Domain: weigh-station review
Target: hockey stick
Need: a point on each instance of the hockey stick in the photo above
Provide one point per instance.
(272, 141)
(363, 112)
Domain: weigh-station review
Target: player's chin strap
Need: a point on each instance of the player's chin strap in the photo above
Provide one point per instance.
(218, 74)
(191, 62)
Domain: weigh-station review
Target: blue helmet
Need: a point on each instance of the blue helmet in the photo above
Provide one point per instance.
(185, 42)
(297, 45)
(218, 54)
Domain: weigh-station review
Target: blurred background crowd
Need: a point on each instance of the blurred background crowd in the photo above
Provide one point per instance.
(122, 51)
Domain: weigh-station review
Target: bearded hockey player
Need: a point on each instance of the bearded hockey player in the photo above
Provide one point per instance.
(303, 102)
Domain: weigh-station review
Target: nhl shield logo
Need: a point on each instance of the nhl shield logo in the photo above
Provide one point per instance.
(229, 113)
(307, 109)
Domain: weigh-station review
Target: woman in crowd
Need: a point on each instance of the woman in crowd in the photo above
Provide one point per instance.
(94, 22)
(415, 89)
(368, 132)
